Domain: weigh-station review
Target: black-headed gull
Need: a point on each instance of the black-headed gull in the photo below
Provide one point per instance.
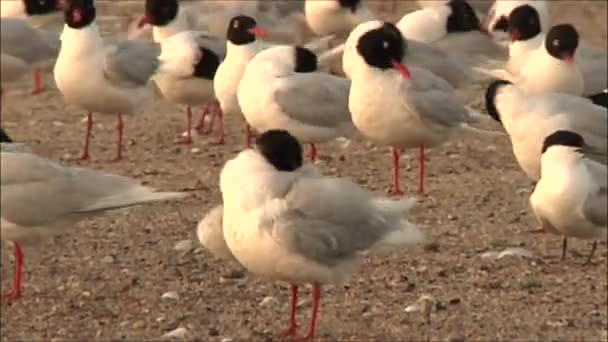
(396, 106)
(285, 221)
(571, 197)
(452, 27)
(36, 12)
(241, 46)
(296, 96)
(41, 198)
(529, 119)
(113, 79)
(167, 19)
(498, 15)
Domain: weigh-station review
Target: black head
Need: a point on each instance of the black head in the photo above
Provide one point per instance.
(79, 13)
(161, 12)
(561, 41)
(41, 7)
(351, 5)
(600, 99)
(239, 30)
(491, 98)
(306, 60)
(207, 65)
(382, 46)
(463, 17)
(563, 138)
(502, 24)
(280, 149)
(524, 23)
(4, 137)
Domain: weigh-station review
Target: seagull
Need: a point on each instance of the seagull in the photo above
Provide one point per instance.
(528, 37)
(114, 78)
(210, 232)
(41, 198)
(29, 44)
(335, 17)
(394, 105)
(482, 6)
(286, 221)
(197, 88)
(498, 15)
(451, 26)
(571, 197)
(241, 47)
(295, 96)
(529, 119)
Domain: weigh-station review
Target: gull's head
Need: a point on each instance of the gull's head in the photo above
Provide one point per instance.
(567, 139)
(281, 149)
(380, 45)
(498, 17)
(561, 42)
(42, 7)
(490, 98)
(462, 17)
(524, 23)
(160, 12)
(79, 13)
(243, 30)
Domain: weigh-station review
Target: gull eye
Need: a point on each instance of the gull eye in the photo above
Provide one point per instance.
(555, 42)
(385, 44)
(235, 24)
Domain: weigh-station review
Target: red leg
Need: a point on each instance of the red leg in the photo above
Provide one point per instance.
(421, 176)
(188, 139)
(316, 299)
(87, 139)
(15, 292)
(37, 82)
(248, 135)
(214, 113)
(293, 326)
(119, 130)
(222, 139)
(201, 123)
(396, 186)
(313, 152)
(537, 231)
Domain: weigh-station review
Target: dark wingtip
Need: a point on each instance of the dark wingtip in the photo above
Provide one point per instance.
(490, 98)
(4, 137)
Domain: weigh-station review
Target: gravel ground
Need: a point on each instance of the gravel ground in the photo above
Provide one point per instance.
(105, 281)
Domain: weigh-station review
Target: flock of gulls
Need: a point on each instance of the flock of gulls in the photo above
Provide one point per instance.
(349, 75)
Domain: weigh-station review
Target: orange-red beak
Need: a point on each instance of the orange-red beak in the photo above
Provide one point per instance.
(259, 32)
(144, 21)
(515, 35)
(403, 70)
(569, 59)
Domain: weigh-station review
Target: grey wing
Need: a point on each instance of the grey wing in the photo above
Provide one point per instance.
(19, 39)
(434, 100)
(596, 204)
(328, 219)
(424, 56)
(213, 43)
(315, 99)
(594, 67)
(132, 62)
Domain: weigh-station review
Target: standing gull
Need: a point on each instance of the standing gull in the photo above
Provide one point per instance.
(285, 221)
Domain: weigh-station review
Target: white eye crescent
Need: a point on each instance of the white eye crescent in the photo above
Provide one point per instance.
(385, 44)
(556, 42)
(235, 24)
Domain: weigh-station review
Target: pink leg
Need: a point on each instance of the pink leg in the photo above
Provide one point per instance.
(214, 113)
(87, 139)
(293, 326)
(201, 123)
(396, 186)
(313, 152)
(421, 176)
(248, 135)
(188, 139)
(15, 292)
(37, 82)
(316, 299)
(119, 130)
(222, 139)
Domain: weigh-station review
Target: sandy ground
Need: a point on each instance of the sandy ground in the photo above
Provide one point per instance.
(105, 281)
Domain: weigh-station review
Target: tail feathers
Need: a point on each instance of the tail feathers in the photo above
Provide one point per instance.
(396, 207)
(404, 233)
(136, 196)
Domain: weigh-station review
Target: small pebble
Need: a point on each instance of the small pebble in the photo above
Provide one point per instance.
(138, 325)
(170, 295)
(183, 246)
(268, 301)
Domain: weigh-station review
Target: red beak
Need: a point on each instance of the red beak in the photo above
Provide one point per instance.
(143, 22)
(515, 35)
(77, 15)
(403, 70)
(569, 59)
(259, 32)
